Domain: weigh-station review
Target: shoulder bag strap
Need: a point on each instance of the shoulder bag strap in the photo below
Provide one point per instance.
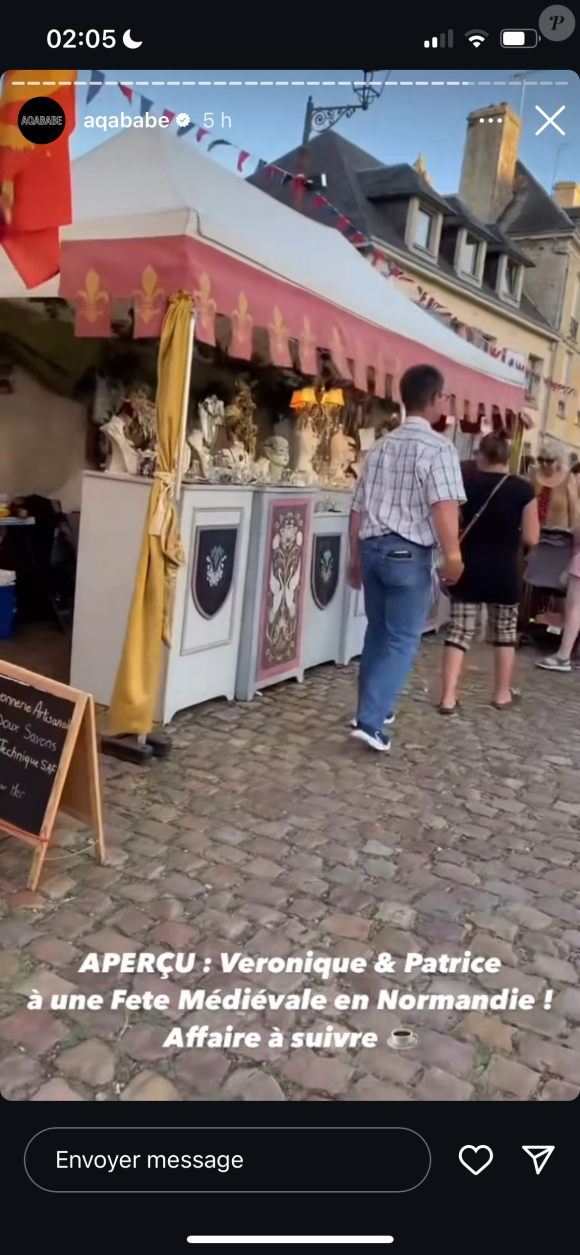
(483, 508)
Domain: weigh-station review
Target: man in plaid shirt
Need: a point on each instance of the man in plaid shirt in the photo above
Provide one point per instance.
(406, 503)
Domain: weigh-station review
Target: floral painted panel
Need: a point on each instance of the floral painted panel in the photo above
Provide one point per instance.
(213, 568)
(280, 647)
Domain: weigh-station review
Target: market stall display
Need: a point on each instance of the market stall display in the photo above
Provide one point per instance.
(261, 283)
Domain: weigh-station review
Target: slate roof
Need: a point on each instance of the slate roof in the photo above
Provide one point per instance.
(473, 224)
(398, 183)
(365, 191)
(532, 210)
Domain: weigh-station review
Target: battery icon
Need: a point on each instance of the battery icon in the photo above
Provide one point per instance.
(519, 39)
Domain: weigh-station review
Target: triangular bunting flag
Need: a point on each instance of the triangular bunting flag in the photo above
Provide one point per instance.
(184, 129)
(201, 134)
(242, 158)
(146, 106)
(127, 91)
(167, 114)
(220, 143)
(299, 187)
(96, 81)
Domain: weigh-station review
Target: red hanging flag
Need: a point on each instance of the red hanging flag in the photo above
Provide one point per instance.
(243, 157)
(35, 180)
(126, 92)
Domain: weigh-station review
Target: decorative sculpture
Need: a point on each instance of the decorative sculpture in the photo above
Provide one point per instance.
(124, 457)
(239, 419)
(211, 414)
(235, 458)
(271, 466)
(342, 456)
(140, 414)
(200, 441)
(200, 459)
(367, 438)
(306, 444)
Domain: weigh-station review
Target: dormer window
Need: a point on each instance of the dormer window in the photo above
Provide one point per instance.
(512, 274)
(510, 280)
(470, 256)
(423, 228)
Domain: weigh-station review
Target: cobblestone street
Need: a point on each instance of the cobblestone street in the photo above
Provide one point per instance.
(269, 831)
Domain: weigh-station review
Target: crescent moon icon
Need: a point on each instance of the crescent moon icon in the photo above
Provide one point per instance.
(131, 43)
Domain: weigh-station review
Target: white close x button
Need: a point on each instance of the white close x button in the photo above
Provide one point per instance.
(550, 121)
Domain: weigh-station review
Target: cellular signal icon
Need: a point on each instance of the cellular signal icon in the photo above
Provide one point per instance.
(439, 41)
(477, 38)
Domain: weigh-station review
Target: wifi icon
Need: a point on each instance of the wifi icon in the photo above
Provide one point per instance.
(476, 37)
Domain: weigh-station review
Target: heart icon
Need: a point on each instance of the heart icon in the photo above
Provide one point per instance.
(476, 1152)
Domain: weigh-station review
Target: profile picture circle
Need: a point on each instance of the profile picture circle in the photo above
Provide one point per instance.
(41, 120)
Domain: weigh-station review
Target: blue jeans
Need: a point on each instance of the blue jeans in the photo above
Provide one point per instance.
(396, 577)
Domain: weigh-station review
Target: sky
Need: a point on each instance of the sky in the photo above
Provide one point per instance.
(405, 120)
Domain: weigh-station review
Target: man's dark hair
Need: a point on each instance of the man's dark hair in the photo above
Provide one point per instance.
(419, 386)
(495, 447)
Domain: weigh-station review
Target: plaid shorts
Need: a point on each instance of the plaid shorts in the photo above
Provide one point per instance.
(502, 624)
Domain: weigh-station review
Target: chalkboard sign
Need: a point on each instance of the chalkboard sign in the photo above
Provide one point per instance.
(48, 759)
(34, 726)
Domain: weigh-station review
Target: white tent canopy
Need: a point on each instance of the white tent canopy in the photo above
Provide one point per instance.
(147, 183)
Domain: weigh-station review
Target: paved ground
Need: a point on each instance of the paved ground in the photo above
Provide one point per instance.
(268, 831)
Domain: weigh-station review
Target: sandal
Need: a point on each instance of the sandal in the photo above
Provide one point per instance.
(448, 710)
(514, 699)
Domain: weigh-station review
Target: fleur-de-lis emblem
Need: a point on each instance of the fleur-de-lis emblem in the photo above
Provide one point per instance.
(338, 351)
(148, 295)
(381, 372)
(205, 303)
(242, 320)
(307, 337)
(94, 296)
(360, 366)
(279, 331)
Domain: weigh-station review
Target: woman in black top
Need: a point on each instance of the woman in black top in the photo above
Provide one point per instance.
(500, 513)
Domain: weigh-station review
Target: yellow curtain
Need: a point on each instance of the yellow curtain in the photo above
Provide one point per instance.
(516, 450)
(149, 626)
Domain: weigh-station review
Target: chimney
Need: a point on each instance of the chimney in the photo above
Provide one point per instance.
(567, 195)
(489, 161)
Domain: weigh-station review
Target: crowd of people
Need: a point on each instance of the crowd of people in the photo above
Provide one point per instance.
(418, 513)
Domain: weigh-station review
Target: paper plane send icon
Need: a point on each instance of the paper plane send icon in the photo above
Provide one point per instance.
(540, 1156)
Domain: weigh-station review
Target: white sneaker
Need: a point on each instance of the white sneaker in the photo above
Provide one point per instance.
(376, 740)
(555, 664)
(388, 723)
